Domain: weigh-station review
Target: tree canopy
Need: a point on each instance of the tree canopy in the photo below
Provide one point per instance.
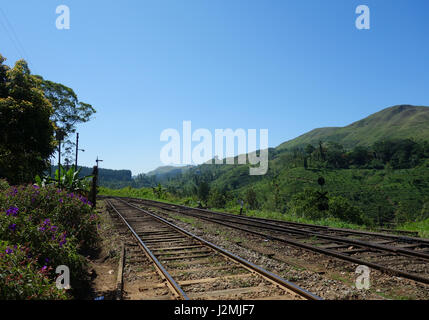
(68, 111)
(31, 110)
(26, 131)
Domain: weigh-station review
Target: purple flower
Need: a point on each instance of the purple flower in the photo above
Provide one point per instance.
(36, 187)
(8, 250)
(61, 200)
(54, 228)
(12, 226)
(44, 268)
(63, 239)
(12, 211)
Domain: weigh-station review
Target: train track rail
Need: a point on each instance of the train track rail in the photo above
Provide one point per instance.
(194, 268)
(401, 256)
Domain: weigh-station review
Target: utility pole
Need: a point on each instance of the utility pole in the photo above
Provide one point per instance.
(77, 150)
(60, 136)
(93, 194)
(98, 161)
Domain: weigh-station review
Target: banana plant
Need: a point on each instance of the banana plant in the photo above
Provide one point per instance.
(68, 180)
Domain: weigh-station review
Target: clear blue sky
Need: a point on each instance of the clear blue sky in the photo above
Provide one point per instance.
(288, 66)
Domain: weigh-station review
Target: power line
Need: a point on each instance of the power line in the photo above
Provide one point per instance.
(10, 30)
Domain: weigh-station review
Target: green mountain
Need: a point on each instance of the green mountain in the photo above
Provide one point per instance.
(398, 122)
(378, 170)
(387, 180)
(168, 170)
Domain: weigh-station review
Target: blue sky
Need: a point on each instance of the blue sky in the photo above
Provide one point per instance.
(285, 66)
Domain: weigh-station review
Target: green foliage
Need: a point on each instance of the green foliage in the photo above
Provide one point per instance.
(203, 191)
(159, 192)
(217, 199)
(342, 209)
(306, 204)
(53, 225)
(68, 111)
(397, 122)
(21, 277)
(69, 180)
(26, 136)
(252, 199)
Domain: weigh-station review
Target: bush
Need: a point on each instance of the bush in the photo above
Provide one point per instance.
(342, 209)
(252, 199)
(52, 224)
(216, 199)
(22, 278)
(305, 204)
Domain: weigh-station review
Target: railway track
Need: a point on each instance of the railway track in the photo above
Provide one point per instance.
(401, 256)
(193, 268)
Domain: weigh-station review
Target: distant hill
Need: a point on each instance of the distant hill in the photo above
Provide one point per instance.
(168, 171)
(105, 175)
(398, 122)
(385, 186)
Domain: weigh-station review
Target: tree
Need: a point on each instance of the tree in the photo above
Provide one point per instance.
(68, 111)
(26, 132)
(203, 191)
(322, 151)
(217, 199)
(341, 208)
(251, 199)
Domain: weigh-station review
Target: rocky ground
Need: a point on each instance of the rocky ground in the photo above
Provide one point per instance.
(327, 277)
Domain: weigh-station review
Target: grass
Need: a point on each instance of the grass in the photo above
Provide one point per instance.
(397, 185)
(422, 227)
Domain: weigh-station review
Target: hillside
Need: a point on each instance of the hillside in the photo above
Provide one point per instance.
(397, 122)
(387, 180)
(168, 170)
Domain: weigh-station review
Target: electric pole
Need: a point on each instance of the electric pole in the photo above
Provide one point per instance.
(60, 136)
(77, 150)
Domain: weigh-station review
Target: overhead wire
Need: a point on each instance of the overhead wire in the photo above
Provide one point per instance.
(13, 36)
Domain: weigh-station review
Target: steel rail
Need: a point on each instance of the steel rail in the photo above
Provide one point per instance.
(172, 284)
(279, 228)
(368, 233)
(324, 251)
(271, 276)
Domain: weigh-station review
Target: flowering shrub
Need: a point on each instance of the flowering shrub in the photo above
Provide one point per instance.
(53, 225)
(22, 278)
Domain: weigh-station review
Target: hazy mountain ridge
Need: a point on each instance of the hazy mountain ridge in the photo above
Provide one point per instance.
(397, 122)
(170, 170)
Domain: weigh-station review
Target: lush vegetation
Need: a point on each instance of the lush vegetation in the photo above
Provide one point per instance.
(34, 113)
(40, 229)
(52, 223)
(386, 184)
